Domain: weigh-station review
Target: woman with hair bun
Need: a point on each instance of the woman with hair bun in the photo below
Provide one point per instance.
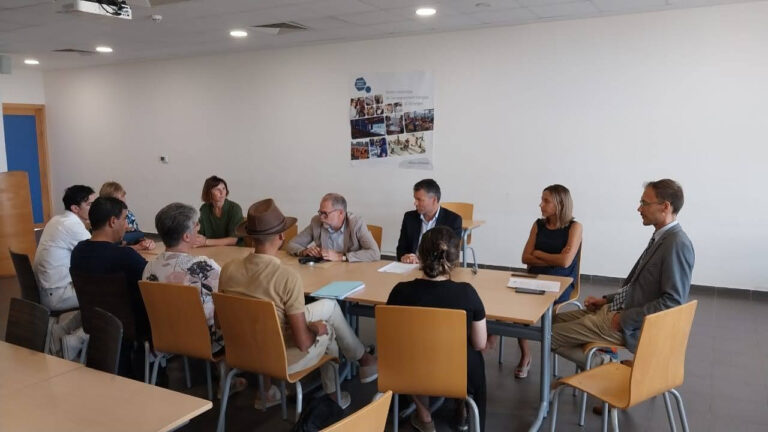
(439, 255)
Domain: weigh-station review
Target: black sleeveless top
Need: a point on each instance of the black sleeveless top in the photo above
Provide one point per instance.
(553, 241)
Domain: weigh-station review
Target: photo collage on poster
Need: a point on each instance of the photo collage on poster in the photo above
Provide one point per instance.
(381, 129)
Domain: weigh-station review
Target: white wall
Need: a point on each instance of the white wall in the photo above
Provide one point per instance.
(600, 105)
(23, 85)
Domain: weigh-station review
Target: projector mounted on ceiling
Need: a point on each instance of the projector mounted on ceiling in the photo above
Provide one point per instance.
(109, 8)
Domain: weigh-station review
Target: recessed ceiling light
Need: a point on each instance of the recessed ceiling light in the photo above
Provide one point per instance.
(238, 33)
(426, 11)
(103, 49)
(31, 61)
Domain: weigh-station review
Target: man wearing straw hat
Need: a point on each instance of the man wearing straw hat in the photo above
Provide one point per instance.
(311, 330)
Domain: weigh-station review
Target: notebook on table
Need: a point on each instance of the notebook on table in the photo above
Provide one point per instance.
(338, 289)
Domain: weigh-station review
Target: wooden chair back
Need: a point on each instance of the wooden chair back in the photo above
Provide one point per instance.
(289, 234)
(110, 292)
(104, 343)
(26, 277)
(253, 335)
(27, 324)
(376, 232)
(16, 219)
(659, 363)
(576, 285)
(177, 319)
(422, 351)
(370, 418)
(465, 210)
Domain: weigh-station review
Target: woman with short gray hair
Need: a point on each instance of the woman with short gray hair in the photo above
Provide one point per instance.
(177, 226)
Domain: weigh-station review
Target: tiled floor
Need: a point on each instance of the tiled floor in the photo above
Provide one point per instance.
(726, 383)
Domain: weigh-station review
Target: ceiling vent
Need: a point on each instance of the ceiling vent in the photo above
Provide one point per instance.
(76, 51)
(280, 28)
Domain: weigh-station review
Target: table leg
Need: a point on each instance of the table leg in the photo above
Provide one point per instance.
(546, 373)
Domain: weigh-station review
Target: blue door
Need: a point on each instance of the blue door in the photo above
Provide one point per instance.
(22, 155)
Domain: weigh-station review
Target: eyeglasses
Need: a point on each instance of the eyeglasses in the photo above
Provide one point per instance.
(644, 203)
(324, 214)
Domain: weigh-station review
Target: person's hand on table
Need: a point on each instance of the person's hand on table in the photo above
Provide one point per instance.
(319, 328)
(592, 304)
(200, 240)
(312, 251)
(332, 255)
(409, 259)
(146, 244)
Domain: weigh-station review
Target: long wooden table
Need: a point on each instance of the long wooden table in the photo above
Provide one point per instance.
(509, 313)
(39, 392)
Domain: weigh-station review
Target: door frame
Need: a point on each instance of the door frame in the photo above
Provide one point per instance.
(42, 150)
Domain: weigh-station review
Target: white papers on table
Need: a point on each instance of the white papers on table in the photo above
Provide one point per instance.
(398, 267)
(542, 285)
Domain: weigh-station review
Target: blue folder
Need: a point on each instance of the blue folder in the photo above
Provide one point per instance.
(338, 290)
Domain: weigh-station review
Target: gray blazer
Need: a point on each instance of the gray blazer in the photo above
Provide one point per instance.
(662, 281)
(359, 244)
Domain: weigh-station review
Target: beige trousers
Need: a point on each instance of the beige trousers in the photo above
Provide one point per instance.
(571, 330)
(340, 335)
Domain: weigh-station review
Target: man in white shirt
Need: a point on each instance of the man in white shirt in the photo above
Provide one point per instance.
(51, 266)
(60, 236)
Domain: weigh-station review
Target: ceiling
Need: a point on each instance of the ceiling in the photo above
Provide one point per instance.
(34, 28)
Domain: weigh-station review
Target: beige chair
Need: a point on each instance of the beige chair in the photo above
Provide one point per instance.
(290, 233)
(255, 344)
(370, 418)
(466, 211)
(423, 351)
(376, 232)
(178, 324)
(658, 367)
(572, 300)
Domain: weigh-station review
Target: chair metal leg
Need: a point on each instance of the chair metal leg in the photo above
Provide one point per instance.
(680, 409)
(554, 365)
(84, 350)
(395, 411)
(299, 397)
(554, 395)
(155, 366)
(146, 362)
(615, 419)
(338, 383)
(263, 394)
(208, 379)
(186, 372)
(670, 416)
(606, 413)
(283, 400)
(474, 415)
(48, 340)
(501, 349)
(583, 410)
(224, 399)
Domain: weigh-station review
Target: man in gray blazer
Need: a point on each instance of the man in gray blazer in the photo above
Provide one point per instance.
(335, 234)
(659, 280)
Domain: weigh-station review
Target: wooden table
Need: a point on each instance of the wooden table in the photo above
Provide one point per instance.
(21, 367)
(46, 393)
(509, 313)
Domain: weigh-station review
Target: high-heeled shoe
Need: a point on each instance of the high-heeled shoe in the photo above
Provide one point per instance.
(522, 371)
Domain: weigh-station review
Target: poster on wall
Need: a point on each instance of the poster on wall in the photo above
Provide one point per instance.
(391, 120)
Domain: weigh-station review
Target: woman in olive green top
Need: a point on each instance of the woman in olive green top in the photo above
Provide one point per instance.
(218, 216)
